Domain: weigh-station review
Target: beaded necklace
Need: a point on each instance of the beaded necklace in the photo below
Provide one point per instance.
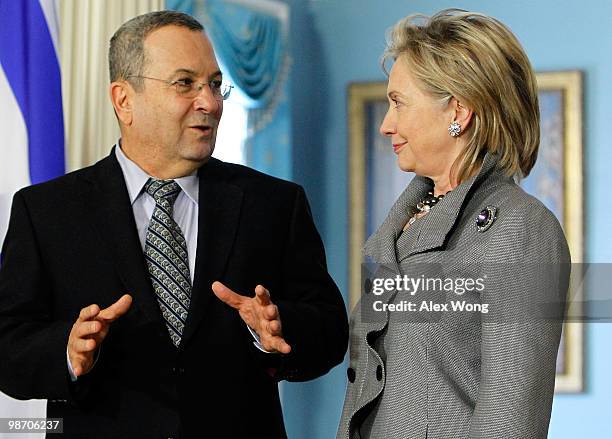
(424, 206)
(429, 201)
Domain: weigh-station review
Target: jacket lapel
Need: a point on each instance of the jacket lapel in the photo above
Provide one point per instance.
(436, 226)
(219, 212)
(108, 204)
(380, 247)
(431, 233)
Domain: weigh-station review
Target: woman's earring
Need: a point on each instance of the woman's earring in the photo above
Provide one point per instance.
(454, 129)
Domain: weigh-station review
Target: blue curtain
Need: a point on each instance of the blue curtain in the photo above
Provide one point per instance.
(251, 49)
(250, 46)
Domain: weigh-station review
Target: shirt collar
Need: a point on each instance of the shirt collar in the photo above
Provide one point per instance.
(136, 178)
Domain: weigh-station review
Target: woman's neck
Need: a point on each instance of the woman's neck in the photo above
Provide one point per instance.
(443, 186)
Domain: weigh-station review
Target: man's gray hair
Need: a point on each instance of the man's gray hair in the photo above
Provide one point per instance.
(126, 55)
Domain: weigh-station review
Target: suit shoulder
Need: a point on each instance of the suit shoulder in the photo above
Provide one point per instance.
(517, 204)
(63, 185)
(524, 224)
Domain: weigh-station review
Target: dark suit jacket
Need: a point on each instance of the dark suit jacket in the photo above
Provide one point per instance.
(73, 242)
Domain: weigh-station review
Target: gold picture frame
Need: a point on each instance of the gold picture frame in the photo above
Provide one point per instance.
(561, 92)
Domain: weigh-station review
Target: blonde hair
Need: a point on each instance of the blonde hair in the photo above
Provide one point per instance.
(479, 61)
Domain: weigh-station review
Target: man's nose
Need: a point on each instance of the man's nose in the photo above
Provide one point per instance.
(206, 101)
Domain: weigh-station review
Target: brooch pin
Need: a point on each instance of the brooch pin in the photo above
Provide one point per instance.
(485, 218)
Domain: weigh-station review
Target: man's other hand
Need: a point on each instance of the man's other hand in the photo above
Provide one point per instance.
(259, 313)
(89, 331)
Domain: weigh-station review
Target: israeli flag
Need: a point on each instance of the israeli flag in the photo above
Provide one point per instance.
(31, 119)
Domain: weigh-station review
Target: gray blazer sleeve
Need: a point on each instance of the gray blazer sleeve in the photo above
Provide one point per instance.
(527, 265)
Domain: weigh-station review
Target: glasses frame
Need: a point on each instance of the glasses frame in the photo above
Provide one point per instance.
(198, 86)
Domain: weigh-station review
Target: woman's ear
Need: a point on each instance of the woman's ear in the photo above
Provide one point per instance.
(463, 114)
(121, 97)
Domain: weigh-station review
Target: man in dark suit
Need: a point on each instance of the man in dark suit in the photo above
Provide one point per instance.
(109, 274)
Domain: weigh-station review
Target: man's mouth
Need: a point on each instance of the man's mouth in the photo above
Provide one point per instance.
(203, 129)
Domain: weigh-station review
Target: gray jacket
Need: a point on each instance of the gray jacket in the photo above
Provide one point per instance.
(462, 375)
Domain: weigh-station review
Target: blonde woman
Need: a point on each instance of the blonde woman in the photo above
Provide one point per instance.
(463, 116)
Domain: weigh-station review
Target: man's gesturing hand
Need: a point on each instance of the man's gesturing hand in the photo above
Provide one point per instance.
(259, 313)
(89, 331)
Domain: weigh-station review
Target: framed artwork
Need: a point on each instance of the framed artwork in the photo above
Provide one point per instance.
(375, 182)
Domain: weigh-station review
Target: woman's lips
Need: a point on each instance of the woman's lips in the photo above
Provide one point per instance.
(397, 147)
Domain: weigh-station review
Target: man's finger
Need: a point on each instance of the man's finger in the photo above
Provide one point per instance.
(283, 347)
(271, 312)
(89, 312)
(87, 344)
(263, 295)
(228, 296)
(276, 344)
(79, 365)
(99, 337)
(78, 370)
(274, 327)
(83, 345)
(117, 309)
(88, 328)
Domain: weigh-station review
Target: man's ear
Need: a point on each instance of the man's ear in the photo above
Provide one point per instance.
(121, 94)
(463, 114)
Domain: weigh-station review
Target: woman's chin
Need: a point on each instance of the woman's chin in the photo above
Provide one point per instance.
(406, 167)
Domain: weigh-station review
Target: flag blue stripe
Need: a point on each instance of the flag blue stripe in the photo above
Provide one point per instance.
(28, 58)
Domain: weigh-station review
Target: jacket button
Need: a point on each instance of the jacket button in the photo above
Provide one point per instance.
(350, 372)
(379, 372)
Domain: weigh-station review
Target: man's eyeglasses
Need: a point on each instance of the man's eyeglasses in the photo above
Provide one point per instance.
(189, 88)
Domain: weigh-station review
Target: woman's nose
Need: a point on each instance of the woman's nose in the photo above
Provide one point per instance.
(387, 127)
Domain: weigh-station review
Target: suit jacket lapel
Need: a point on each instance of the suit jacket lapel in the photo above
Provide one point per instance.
(431, 233)
(381, 245)
(108, 205)
(219, 212)
(436, 226)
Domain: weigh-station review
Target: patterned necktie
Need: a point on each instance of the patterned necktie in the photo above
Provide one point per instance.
(166, 256)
